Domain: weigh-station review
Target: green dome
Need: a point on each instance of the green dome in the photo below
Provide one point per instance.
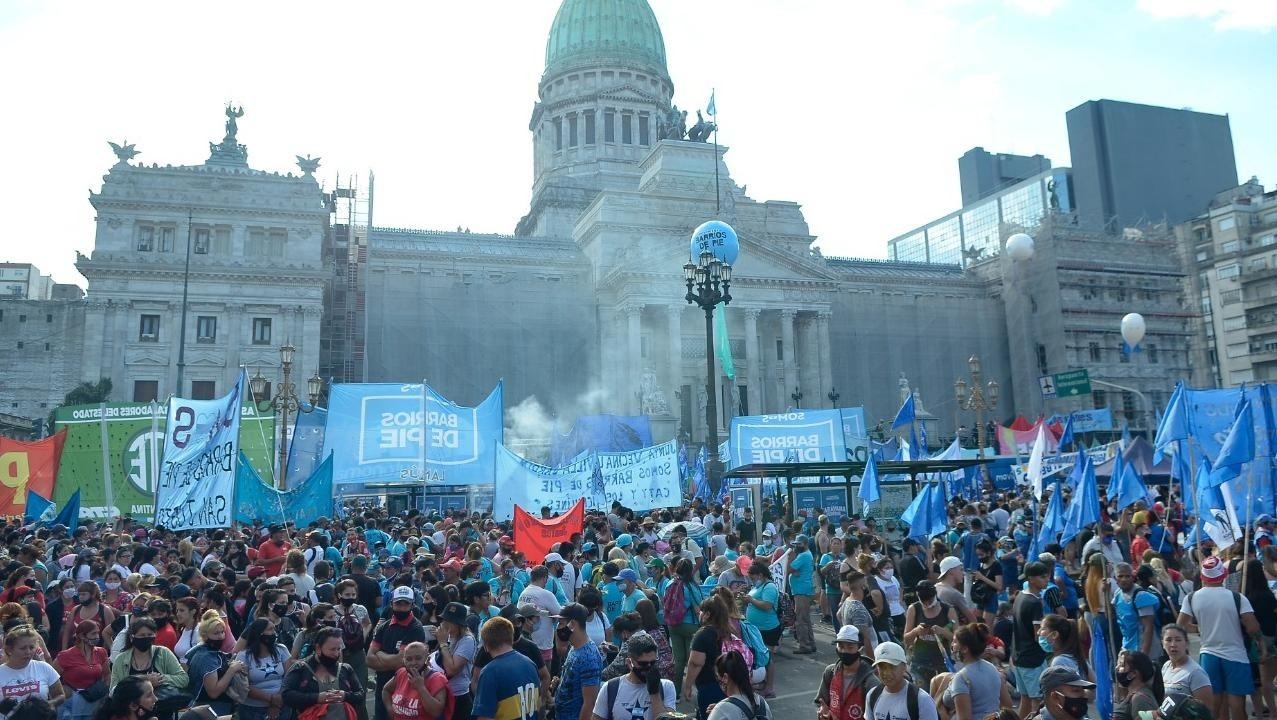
(587, 32)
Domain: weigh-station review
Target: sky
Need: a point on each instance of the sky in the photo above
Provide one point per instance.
(857, 111)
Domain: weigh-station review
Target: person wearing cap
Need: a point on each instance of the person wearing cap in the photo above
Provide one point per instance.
(803, 589)
(455, 656)
(640, 693)
(578, 683)
(1028, 659)
(1214, 611)
(896, 697)
(765, 547)
(536, 594)
(949, 586)
(1064, 694)
(845, 683)
(385, 652)
(507, 584)
(627, 581)
(1264, 533)
(555, 563)
(589, 560)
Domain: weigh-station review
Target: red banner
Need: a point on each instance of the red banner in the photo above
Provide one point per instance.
(28, 466)
(534, 537)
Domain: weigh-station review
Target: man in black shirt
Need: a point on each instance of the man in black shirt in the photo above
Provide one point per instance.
(913, 569)
(745, 528)
(385, 653)
(519, 617)
(1028, 659)
(369, 590)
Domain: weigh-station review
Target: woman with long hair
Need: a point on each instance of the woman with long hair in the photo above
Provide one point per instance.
(20, 586)
(1181, 673)
(266, 661)
(142, 657)
(1134, 693)
(22, 675)
(186, 617)
(928, 633)
(90, 607)
(474, 553)
(323, 679)
(61, 599)
(303, 581)
(682, 632)
(646, 609)
(1264, 603)
(457, 647)
(1059, 636)
(321, 616)
(82, 666)
(597, 626)
(975, 688)
(133, 698)
(716, 629)
(854, 612)
(739, 702)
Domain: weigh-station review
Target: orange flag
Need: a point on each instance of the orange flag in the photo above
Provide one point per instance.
(28, 466)
(534, 537)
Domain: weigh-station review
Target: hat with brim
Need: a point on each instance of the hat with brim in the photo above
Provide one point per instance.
(1059, 676)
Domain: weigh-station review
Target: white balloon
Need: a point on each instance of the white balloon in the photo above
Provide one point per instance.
(1133, 328)
(1019, 247)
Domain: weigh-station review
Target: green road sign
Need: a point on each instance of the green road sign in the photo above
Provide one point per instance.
(1072, 383)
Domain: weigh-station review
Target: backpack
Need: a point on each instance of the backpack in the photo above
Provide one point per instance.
(1165, 614)
(754, 639)
(758, 712)
(785, 608)
(911, 699)
(596, 576)
(733, 642)
(674, 603)
(352, 631)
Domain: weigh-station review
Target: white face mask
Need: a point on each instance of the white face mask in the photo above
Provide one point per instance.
(113, 586)
(888, 572)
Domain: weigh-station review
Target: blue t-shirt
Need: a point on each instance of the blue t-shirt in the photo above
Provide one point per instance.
(612, 599)
(800, 583)
(1129, 611)
(1070, 588)
(763, 619)
(333, 556)
(825, 560)
(1010, 569)
(509, 688)
(582, 668)
(631, 601)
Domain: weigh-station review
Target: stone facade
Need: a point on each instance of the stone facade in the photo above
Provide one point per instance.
(42, 345)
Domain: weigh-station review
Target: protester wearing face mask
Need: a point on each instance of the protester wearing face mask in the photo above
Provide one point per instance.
(1133, 693)
(132, 699)
(81, 667)
(1064, 695)
(114, 596)
(89, 607)
(577, 685)
(975, 689)
(206, 663)
(385, 653)
(142, 657)
(323, 679)
(846, 682)
(355, 626)
(640, 693)
(1105, 542)
(275, 607)
(265, 659)
(505, 584)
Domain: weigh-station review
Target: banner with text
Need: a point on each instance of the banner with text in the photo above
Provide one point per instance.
(201, 449)
(531, 486)
(854, 433)
(381, 432)
(134, 437)
(642, 479)
(1085, 421)
(797, 436)
(28, 466)
(534, 537)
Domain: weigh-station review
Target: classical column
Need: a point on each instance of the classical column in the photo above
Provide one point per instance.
(825, 355)
(674, 356)
(789, 368)
(634, 344)
(753, 355)
(230, 336)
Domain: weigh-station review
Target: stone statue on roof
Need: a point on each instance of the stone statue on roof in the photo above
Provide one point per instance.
(232, 127)
(124, 153)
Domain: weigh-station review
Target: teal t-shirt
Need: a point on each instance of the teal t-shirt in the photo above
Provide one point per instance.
(763, 619)
(612, 600)
(800, 583)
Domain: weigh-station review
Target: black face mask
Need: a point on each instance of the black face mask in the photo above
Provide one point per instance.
(1124, 678)
(401, 615)
(564, 634)
(848, 658)
(1074, 707)
(428, 609)
(347, 602)
(161, 622)
(144, 644)
(212, 644)
(279, 609)
(267, 640)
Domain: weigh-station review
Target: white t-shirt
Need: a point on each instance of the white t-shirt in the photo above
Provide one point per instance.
(893, 706)
(632, 700)
(147, 569)
(1215, 613)
(123, 571)
(569, 581)
(1184, 679)
(543, 635)
(596, 628)
(303, 584)
(34, 679)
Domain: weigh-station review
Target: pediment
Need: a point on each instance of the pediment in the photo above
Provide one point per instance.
(758, 259)
(207, 358)
(626, 92)
(146, 356)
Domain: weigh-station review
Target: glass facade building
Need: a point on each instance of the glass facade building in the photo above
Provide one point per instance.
(952, 238)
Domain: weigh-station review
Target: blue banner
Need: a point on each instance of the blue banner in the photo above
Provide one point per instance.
(798, 436)
(854, 434)
(309, 500)
(1210, 416)
(380, 432)
(1085, 421)
(196, 486)
(601, 433)
(531, 486)
(306, 448)
(642, 479)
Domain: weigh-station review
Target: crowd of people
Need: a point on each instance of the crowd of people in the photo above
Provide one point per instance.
(635, 617)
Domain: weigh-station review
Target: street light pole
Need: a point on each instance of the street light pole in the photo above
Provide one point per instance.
(286, 402)
(708, 284)
(981, 398)
(833, 397)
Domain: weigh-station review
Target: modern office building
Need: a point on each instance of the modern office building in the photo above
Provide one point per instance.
(1231, 251)
(974, 231)
(1139, 164)
(982, 173)
(24, 282)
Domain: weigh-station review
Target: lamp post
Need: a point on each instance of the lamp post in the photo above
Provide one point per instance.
(979, 399)
(708, 284)
(286, 402)
(833, 397)
(796, 396)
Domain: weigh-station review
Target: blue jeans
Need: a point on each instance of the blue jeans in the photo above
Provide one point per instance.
(833, 598)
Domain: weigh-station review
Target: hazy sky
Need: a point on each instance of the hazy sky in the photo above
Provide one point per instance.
(856, 110)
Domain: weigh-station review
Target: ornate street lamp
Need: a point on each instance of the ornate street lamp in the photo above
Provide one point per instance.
(833, 397)
(979, 399)
(709, 283)
(286, 402)
(796, 396)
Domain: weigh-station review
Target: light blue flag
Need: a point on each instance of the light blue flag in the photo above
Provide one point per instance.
(869, 491)
(905, 415)
(1126, 437)
(1131, 489)
(1174, 423)
(1052, 524)
(723, 344)
(39, 509)
(1066, 437)
(1084, 507)
(309, 500)
(70, 513)
(306, 449)
(1100, 664)
(915, 516)
(938, 518)
(711, 109)
(701, 480)
(1238, 448)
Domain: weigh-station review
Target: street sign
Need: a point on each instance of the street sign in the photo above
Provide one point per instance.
(1073, 383)
(1047, 383)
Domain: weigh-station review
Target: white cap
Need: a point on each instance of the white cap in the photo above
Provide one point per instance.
(402, 593)
(552, 557)
(948, 564)
(848, 633)
(889, 653)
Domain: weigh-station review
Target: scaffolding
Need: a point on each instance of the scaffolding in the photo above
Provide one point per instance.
(346, 257)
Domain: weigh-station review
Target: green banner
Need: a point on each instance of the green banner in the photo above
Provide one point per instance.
(131, 451)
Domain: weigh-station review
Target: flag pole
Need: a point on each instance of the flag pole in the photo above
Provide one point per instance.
(1250, 489)
(714, 116)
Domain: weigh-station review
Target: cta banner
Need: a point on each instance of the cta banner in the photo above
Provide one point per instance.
(1085, 421)
(798, 436)
(201, 449)
(129, 437)
(307, 501)
(523, 483)
(534, 537)
(28, 466)
(379, 432)
(642, 479)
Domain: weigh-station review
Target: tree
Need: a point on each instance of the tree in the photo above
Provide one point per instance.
(86, 393)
